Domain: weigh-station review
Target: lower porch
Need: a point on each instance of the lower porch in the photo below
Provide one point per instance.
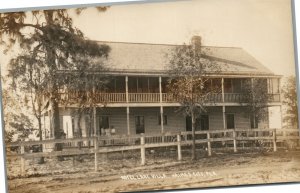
(128, 121)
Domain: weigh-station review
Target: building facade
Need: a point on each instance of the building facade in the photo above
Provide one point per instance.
(137, 100)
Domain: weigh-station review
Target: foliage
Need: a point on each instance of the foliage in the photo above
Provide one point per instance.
(289, 92)
(189, 80)
(256, 99)
(16, 124)
(50, 44)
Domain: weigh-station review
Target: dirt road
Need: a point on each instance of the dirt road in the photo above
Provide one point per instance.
(127, 175)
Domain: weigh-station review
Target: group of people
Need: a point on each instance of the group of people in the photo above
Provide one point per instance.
(108, 131)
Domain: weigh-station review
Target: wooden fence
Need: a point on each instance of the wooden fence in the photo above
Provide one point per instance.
(235, 139)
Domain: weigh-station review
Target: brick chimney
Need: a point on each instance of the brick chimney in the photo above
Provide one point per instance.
(196, 42)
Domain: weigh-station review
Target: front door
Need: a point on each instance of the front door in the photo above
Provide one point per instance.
(139, 124)
(230, 121)
(202, 123)
(188, 123)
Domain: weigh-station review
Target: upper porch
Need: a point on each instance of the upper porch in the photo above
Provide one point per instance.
(154, 90)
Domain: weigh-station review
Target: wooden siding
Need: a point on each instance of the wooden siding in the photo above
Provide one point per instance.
(176, 121)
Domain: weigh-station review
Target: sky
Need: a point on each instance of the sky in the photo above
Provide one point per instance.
(261, 27)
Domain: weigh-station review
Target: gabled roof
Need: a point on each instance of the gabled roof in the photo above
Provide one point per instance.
(142, 57)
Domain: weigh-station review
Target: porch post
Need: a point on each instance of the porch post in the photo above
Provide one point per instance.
(160, 90)
(50, 124)
(127, 108)
(161, 107)
(162, 119)
(128, 124)
(223, 105)
(126, 87)
(95, 120)
(94, 116)
(44, 125)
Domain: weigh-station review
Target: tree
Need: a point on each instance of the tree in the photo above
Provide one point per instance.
(256, 98)
(289, 93)
(190, 80)
(83, 93)
(17, 125)
(49, 43)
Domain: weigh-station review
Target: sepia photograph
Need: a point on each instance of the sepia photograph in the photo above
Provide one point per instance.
(150, 96)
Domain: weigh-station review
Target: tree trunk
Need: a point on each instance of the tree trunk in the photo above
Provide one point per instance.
(90, 126)
(55, 123)
(79, 128)
(42, 159)
(193, 137)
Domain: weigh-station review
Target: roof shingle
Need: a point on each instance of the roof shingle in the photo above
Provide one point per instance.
(153, 57)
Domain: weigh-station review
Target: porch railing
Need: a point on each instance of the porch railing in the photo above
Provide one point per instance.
(144, 97)
(155, 97)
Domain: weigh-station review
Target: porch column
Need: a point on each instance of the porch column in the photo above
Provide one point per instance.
(161, 107)
(44, 125)
(127, 108)
(94, 116)
(160, 90)
(95, 120)
(162, 119)
(128, 124)
(50, 125)
(223, 105)
(126, 87)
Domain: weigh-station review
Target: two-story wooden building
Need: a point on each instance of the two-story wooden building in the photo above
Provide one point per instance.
(137, 100)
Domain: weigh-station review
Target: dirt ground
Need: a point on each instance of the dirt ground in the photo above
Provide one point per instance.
(123, 172)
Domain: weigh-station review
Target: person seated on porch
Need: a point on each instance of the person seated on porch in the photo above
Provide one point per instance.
(107, 132)
(112, 130)
(102, 131)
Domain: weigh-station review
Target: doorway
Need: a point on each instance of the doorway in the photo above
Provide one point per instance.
(139, 124)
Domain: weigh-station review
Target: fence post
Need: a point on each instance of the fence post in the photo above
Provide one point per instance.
(96, 146)
(179, 147)
(143, 153)
(208, 144)
(22, 150)
(274, 140)
(234, 141)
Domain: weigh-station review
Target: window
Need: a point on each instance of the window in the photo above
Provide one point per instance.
(273, 85)
(89, 128)
(104, 122)
(228, 85)
(120, 84)
(237, 85)
(165, 120)
(142, 85)
(139, 124)
(253, 121)
(153, 84)
(230, 121)
(202, 123)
